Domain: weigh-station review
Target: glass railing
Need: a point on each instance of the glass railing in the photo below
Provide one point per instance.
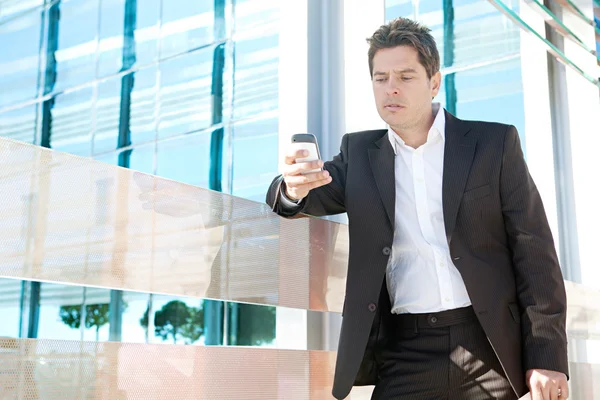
(84, 224)
(552, 20)
(551, 48)
(569, 5)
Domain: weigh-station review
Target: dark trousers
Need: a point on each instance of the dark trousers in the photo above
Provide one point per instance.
(439, 356)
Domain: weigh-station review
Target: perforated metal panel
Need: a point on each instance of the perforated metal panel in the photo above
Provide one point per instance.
(65, 370)
(74, 220)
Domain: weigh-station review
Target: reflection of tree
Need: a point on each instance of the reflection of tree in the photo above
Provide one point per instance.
(96, 315)
(177, 320)
(256, 325)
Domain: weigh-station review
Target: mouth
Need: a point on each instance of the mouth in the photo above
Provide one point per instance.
(393, 107)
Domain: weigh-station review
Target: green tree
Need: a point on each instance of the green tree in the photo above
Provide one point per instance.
(96, 315)
(177, 320)
(256, 325)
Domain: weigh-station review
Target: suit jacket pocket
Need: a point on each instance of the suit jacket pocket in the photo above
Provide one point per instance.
(477, 193)
(515, 312)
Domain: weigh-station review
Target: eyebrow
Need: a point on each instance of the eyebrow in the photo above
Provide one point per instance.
(397, 71)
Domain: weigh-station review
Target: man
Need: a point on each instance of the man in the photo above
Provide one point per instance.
(454, 290)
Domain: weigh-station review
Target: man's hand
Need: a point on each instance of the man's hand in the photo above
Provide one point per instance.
(547, 385)
(297, 184)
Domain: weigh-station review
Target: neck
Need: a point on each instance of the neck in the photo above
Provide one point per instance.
(416, 135)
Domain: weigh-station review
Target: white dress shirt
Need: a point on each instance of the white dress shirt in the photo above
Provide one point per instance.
(421, 277)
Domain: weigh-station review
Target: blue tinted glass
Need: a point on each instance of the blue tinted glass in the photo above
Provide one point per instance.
(491, 93)
(185, 93)
(10, 307)
(478, 30)
(77, 44)
(256, 76)
(398, 8)
(140, 158)
(19, 124)
(142, 120)
(255, 157)
(19, 59)
(186, 25)
(145, 47)
(185, 159)
(11, 8)
(72, 121)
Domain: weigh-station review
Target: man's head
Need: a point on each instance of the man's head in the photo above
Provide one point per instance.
(404, 63)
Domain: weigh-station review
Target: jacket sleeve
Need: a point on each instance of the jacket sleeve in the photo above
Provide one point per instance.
(326, 200)
(540, 285)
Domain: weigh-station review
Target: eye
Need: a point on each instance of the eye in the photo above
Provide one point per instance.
(407, 78)
(380, 80)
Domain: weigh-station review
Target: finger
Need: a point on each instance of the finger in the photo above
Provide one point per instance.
(319, 183)
(537, 394)
(546, 393)
(298, 180)
(297, 169)
(293, 154)
(553, 393)
(564, 392)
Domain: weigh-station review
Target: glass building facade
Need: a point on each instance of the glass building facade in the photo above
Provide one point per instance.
(187, 90)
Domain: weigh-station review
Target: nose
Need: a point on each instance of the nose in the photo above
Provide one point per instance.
(391, 88)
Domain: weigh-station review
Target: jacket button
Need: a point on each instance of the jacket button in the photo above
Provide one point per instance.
(372, 307)
(386, 251)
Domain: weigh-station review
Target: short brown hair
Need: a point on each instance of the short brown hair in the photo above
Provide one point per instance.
(406, 32)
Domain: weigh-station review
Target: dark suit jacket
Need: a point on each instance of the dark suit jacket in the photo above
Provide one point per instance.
(498, 236)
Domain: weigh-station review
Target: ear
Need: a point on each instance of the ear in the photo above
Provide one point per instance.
(435, 82)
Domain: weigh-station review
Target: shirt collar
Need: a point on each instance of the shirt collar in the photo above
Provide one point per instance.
(438, 127)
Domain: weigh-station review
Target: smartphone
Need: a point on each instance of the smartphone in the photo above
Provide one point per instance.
(307, 141)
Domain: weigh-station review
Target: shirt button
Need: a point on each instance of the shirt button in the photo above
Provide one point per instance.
(372, 307)
(447, 299)
(386, 251)
(442, 265)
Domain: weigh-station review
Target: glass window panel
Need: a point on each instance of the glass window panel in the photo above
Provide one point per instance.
(72, 117)
(60, 312)
(97, 314)
(255, 157)
(255, 324)
(10, 8)
(110, 58)
(139, 158)
(132, 328)
(186, 159)
(177, 320)
(256, 73)
(10, 307)
(186, 25)
(19, 124)
(142, 122)
(481, 32)
(185, 93)
(77, 43)
(491, 93)
(19, 58)
(398, 8)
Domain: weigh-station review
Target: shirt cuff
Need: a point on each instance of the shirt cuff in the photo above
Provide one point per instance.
(287, 202)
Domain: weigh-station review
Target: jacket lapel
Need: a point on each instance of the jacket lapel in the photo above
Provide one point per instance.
(459, 150)
(382, 165)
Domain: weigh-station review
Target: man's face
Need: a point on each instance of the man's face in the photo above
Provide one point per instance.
(403, 92)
